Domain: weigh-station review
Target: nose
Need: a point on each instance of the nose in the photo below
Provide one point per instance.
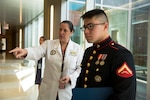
(61, 32)
(86, 30)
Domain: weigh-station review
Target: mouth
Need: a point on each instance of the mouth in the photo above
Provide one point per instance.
(88, 37)
(60, 36)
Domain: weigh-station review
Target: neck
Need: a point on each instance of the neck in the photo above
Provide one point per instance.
(63, 47)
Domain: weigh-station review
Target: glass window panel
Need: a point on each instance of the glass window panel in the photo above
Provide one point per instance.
(136, 3)
(140, 15)
(26, 36)
(118, 28)
(75, 12)
(29, 35)
(40, 26)
(34, 32)
(116, 3)
(76, 6)
(79, 0)
(139, 32)
(140, 21)
(98, 1)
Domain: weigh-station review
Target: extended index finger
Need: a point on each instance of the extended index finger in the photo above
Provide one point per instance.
(13, 50)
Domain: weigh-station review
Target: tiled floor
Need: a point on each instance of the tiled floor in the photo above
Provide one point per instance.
(16, 80)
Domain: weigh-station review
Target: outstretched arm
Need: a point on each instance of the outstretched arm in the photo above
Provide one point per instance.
(19, 52)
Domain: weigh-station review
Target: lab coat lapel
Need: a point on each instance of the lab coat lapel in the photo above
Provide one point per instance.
(57, 47)
(69, 48)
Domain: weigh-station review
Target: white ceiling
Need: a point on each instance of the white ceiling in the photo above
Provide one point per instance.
(13, 11)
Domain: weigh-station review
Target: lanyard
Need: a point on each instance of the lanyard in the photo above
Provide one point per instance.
(62, 66)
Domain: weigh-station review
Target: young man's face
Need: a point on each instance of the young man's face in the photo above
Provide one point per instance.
(94, 30)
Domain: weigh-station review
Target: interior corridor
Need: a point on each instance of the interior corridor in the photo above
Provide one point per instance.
(16, 79)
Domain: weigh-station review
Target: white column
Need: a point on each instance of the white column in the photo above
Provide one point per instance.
(128, 40)
(64, 14)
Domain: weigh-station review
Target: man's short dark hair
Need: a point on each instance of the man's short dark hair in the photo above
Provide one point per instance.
(94, 12)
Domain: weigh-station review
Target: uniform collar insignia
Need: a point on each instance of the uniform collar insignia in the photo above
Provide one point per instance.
(102, 43)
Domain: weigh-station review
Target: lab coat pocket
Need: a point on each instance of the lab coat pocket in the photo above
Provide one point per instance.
(72, 60)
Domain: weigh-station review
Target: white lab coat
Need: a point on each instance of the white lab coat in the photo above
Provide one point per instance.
(51, 50)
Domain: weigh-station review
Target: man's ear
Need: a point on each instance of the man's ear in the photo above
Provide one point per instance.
(106, 26)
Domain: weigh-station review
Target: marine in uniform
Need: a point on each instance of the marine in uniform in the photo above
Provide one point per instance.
(108, 64)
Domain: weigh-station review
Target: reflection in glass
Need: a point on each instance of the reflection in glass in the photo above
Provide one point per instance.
(98, 1)
(80, 0)
(137, 3)
(139, 41)
(117, 3)
(140, 21)
(118, 28)
(75, 12)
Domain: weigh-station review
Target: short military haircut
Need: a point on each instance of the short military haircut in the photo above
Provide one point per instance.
(96, 13)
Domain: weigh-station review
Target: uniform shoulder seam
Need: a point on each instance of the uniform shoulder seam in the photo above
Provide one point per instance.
(112, 45)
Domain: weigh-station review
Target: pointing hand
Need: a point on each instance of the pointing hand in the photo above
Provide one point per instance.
(19, 52)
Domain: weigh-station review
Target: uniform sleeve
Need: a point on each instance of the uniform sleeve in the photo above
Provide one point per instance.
(123, 76)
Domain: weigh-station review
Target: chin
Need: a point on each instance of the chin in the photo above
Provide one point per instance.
(89, 41)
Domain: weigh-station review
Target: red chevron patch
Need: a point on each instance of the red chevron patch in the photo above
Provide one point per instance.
(124, 71)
